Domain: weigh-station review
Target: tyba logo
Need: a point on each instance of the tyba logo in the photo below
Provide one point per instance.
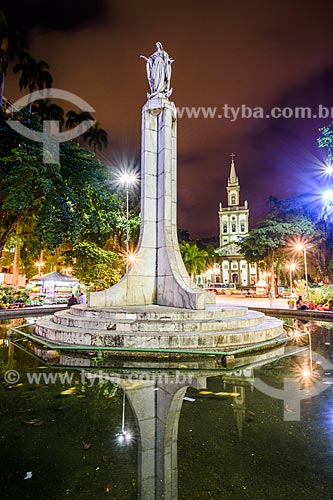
(51, 136)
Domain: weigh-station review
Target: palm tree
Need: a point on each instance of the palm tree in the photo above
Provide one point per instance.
(73, 119)
(96, 136)
(194, 259)
(12, 45)
(34, 74)
(48, 111)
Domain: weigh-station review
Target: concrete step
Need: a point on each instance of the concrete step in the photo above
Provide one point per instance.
(270, 328)
(158, 313)
(139, 325)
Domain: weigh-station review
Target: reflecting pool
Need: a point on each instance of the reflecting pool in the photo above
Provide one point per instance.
(82, 426)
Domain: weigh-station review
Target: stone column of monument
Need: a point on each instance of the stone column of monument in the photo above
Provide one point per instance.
(158, 275)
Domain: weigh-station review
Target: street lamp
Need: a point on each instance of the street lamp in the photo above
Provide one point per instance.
(328, 168)
(302, 247)
(328, 195)
(127, 179)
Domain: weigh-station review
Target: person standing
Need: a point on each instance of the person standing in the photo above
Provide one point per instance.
(271, 297)
(82, 299)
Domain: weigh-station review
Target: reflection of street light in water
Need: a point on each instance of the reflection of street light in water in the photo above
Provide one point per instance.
(124, 435)
(305, 369)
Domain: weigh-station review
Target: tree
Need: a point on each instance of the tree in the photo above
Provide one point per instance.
(73, 118)
(183, 235)
(97, 137)
(47, 110)
(24, 180)
(12, 45)
(95, 267)
(62, 201)
(34, 74)
(270, 235)
(194, 259)
(265, 243)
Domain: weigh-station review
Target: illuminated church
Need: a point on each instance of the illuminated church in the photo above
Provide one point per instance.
(234, 225)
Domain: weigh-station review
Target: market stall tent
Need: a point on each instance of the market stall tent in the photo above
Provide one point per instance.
(53, 287)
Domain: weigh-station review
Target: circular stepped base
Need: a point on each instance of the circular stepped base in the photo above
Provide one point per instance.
(158, 327)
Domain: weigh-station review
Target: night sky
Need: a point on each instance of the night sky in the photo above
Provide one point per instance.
(254, 53)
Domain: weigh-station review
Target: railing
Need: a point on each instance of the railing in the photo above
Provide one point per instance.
(23, 115)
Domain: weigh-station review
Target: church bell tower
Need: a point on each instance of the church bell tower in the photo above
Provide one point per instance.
(234, 219)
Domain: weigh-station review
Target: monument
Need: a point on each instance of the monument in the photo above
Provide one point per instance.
(156, 305)
(158, 275)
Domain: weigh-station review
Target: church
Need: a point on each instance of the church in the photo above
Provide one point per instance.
(234, 225)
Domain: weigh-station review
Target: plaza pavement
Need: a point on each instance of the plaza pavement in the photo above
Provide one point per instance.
(262, 302)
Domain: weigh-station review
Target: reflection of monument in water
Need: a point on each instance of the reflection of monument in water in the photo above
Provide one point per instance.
(156, 400)
(156, 305)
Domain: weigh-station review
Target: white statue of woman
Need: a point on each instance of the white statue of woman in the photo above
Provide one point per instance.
(158, 67)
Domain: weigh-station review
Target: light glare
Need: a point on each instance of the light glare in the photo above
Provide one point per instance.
(328, 195)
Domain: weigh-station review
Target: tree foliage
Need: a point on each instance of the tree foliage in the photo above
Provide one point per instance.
(326, 139)
(95, 267)
(270, 235)
(66, 201)
(12, 45)
(194, 259)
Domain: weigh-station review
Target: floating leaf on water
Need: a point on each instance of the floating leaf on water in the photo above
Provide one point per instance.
(34, 422)
(81, 396)
(249, 416)
(28, 475)
(105, 459)
(60, 408)
(16, 386)
(68, 392)
(86, 446)
(231, 394)
(135, 385)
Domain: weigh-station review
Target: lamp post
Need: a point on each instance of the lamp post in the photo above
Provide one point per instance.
(127, 179)
(302, 247)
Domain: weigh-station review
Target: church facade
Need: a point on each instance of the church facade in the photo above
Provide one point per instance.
(233, 226)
